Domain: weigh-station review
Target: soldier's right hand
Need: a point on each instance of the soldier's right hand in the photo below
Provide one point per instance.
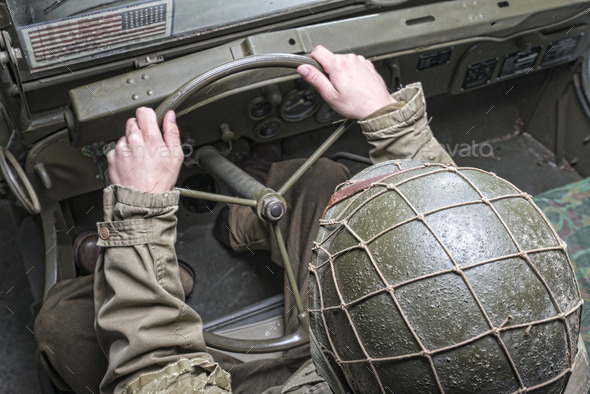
(353, 88)
(145, 158)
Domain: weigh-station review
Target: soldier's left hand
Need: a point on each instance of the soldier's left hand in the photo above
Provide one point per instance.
(352, 87)
(145, 158)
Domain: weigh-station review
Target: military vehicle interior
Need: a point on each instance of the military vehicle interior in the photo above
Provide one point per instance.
(507, 86)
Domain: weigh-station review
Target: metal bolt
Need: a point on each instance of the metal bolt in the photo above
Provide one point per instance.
(227, 135)
(135, 97)
(276, 211)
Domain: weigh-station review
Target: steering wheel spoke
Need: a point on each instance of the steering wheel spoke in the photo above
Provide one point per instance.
(315, 156)
(185, 192)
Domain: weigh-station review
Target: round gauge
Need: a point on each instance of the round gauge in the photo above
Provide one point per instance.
(299, 104)
(259, 108)
(325, 114)
(268, 128)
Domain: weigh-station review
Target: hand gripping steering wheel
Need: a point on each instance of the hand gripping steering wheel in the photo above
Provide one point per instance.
(269, 204)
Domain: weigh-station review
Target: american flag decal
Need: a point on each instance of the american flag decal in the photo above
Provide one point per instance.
(97, 32)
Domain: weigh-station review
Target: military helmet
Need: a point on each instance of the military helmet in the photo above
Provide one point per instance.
(431, 278)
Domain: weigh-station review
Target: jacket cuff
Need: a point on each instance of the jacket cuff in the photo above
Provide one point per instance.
(125, 232)
(384, 110)
(123, 203)
(129, 196)
(394, 117)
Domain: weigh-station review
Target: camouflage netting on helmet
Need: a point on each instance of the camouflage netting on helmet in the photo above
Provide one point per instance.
(429, 278)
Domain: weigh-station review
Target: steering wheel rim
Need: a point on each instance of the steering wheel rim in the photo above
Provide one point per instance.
(176, 99)
(258, 194)
(27, 197)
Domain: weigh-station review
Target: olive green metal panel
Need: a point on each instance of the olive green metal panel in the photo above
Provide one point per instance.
(69, 172)
(99, 107)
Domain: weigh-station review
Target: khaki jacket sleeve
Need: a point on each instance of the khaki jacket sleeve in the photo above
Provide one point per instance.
(152, 339)
(401, 131)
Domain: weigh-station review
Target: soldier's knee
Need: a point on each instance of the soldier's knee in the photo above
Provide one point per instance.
(53, 329)
(66, 343)
(52, 316)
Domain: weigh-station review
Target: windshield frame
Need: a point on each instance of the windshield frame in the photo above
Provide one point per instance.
(206, 37)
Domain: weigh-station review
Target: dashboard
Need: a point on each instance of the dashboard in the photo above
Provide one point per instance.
(451, 47)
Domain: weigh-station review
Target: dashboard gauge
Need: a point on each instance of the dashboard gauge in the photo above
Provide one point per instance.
(300, 104)
(325, 114)
(269, 127)
(259, 108)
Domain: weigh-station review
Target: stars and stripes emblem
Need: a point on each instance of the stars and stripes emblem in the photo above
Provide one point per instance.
(64, 40)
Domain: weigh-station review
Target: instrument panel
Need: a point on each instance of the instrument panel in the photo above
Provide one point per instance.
(298, 104)
(278, 110)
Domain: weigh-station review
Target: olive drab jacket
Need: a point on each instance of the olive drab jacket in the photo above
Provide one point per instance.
(152, 339)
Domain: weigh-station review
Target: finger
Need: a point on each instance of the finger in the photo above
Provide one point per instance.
(122, 149)
(324, 57)
(369, 64)
(148, 124)
(318, 80)
(121, 144)
(112, 158)
(131, 127)
(170, 130)
(109, 149)
(133, 137)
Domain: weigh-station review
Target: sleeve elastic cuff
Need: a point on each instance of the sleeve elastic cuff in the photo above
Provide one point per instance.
(384, 110)
(393, 117)
(126, 195)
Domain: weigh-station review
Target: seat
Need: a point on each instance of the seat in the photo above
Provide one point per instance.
(568, 209)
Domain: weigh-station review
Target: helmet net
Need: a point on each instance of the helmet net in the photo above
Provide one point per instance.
(456, 322)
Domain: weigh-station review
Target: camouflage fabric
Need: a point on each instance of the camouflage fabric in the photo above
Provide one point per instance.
(568, 209)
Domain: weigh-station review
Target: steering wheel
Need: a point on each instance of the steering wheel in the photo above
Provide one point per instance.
(269, 204)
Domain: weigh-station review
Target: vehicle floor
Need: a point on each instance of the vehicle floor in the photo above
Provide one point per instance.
(236, 281)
